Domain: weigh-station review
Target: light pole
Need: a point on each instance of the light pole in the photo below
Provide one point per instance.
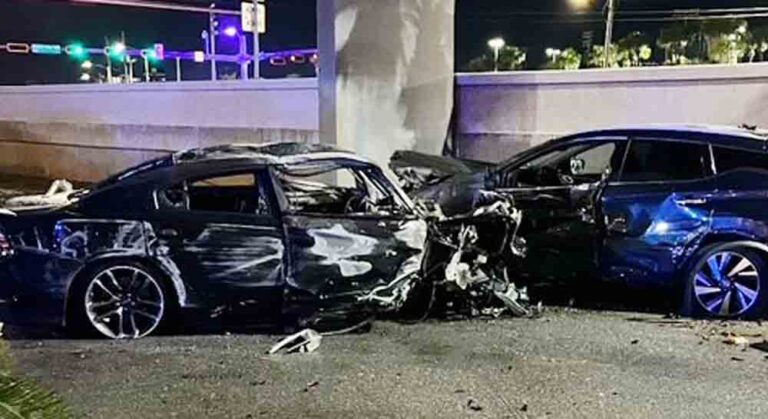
(610, 16)
(609, 32)
(232, 32)
(496, 44)
(212, 23)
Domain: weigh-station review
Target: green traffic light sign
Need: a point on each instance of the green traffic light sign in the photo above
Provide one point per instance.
(76, 51)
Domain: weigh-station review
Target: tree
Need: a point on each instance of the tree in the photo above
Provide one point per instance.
(597, 56)
(510, 58)
(675, 39)
(568, 59)
(758, 43)
(633, 50)
(727, 40)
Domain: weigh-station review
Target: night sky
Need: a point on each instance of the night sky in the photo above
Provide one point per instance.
(534, 24)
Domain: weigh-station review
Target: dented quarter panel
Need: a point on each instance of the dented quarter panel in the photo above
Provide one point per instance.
(667, 226)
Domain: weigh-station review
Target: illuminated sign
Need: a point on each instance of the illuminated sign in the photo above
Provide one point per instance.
(46, 49)
(248, 18)
(199, 56)
(17, 48)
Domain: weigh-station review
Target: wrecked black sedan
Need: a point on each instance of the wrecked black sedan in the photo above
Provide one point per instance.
(282, 234)
(680, 209)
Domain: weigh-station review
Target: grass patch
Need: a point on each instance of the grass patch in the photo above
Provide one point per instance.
(22, 397)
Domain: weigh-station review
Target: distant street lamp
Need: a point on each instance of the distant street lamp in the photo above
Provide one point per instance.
(230, 31)
(496, 44)
(553, 54)
(609, 19)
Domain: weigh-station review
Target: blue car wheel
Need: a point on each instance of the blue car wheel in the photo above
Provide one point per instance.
(728, 281)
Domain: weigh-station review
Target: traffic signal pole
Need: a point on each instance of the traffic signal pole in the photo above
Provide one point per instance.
(212, 40)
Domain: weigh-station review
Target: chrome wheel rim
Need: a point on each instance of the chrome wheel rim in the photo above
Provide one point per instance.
(727, 285)
(124, 302)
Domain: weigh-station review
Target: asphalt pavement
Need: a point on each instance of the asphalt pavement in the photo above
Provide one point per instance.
(567, 363)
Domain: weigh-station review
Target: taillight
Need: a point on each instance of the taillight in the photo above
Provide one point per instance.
(6, 249)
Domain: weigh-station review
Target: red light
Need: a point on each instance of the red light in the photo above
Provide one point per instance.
(5, 246)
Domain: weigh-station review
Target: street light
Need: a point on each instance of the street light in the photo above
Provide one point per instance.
(496, 44)
(230, 31)
(609, 19)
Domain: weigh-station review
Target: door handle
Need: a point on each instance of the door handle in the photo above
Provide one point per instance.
(168, 233)
(690, 202)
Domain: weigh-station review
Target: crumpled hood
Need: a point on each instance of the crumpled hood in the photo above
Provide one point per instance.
(417, 171)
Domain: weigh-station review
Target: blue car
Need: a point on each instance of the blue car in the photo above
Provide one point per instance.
(683, 209)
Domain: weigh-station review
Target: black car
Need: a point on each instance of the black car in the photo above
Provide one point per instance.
(274, 234)
(673, 208)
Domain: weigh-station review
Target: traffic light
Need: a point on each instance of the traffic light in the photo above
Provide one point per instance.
(116, 51)
(155, 54)
(76, 51)
(160, 51)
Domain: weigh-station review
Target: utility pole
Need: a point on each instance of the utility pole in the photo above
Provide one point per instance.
(243, 56)
(178, 69)
(256, 46)
(212, 40)
(609, 32)
(109, 61)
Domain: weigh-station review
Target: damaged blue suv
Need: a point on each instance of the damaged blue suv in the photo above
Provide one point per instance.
(681, 208)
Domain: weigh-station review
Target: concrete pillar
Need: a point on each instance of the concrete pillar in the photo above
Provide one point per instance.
(386, 74)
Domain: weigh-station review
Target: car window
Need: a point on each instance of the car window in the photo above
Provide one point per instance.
(650, 160)
(232, 193)
(574, 164)
(337, 191)
(727, 159)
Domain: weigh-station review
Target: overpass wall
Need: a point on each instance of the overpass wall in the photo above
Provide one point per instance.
(501, 113)
(84, 132)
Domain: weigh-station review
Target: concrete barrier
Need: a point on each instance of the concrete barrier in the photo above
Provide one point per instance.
(84, 132)
(502, 113)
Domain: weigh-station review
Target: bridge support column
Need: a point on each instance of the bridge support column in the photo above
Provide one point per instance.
(386, 74)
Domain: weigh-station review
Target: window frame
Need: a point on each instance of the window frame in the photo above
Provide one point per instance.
(708, 170)
(619, 140)
(372, 176)
(259, 174)
(716, 167)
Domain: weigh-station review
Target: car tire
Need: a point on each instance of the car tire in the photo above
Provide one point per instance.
(120, 300)
(728, 281)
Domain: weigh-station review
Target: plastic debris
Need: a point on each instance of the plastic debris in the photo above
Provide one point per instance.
(57, 195)
(305, 341)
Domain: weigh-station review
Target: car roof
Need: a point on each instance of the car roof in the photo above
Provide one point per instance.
(268, 154)
(718, 135)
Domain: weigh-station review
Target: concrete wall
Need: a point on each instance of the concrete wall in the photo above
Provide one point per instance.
(501, 113)
(386, 74)
(84, 132)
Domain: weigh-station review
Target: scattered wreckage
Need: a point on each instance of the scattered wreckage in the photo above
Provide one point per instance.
(285, 235)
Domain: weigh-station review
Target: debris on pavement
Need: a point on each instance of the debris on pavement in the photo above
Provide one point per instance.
(305, 341)
(740, 341)
(311, 385)
(473, 405)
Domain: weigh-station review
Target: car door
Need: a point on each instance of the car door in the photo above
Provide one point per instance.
(555, 190)
(348, 232)
(223, 236)
(649, 213)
